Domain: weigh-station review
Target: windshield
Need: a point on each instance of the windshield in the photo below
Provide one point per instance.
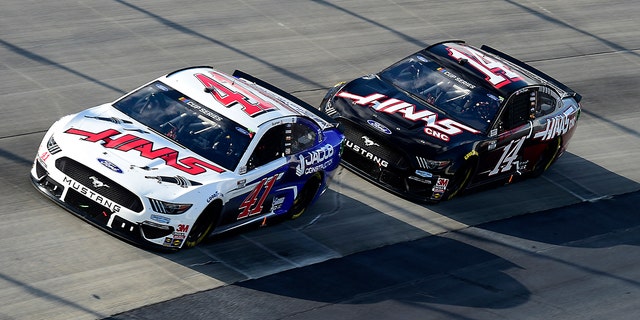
(468, 103)
(178, 118)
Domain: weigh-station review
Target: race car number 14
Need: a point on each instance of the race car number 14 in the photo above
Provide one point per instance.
(508, 157)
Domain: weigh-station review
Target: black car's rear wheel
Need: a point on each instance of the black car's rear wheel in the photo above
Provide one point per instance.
(306, 195)
(547, 157)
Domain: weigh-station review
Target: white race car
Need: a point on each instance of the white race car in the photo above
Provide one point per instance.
(193, 153)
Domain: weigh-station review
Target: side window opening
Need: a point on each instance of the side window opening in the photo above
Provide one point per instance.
(545, 104)
(300, 137)
(270, 147)
(517, 111)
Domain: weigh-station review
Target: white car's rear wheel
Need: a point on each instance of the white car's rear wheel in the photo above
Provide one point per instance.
(306, 195)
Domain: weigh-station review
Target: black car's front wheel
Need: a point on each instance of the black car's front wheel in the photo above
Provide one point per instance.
(459, 181)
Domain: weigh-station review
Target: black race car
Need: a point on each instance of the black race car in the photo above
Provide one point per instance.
(452, 117)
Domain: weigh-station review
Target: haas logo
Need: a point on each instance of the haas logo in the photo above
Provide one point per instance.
(114, 139)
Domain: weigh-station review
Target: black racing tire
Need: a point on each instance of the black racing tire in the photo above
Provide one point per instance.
(460, 180)
(203, 225)
(548, 156)
(306, 195)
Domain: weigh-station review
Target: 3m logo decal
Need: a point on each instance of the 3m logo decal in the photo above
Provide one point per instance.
(223, 89)
(128, 142)
(441, 185)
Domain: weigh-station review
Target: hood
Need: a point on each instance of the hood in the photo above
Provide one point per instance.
(139, 159)
(372, 102)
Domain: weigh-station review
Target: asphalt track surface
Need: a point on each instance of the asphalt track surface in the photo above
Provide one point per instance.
(498, 270)
(562, 246)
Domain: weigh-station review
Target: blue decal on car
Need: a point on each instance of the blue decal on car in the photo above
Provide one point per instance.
(110, 165)
(378, 126)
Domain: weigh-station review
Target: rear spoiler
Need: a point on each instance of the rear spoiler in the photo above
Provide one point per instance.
(286, 95)
(446, 41)
(533, 70)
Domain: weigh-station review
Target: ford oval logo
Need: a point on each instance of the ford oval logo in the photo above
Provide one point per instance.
(109, 165)
(380, 127)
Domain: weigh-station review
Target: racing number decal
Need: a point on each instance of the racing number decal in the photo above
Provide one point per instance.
(223, 89)
(252, 204)
(44, 156)
(498, 74)
(508, 157)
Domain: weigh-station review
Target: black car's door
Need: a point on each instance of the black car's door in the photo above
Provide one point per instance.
(502, 153)
(520, 139)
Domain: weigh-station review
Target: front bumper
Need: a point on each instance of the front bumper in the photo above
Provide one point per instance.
(379, 161)
(408, 186)
(103, 213)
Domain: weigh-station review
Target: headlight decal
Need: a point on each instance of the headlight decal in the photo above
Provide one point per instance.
(53, 146)
(432, 164)
(168, 208)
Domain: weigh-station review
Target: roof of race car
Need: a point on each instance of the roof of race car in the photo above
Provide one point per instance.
(235, 98)
(492, 71)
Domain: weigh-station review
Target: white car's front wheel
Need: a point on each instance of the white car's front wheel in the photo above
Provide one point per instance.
(203, 225)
